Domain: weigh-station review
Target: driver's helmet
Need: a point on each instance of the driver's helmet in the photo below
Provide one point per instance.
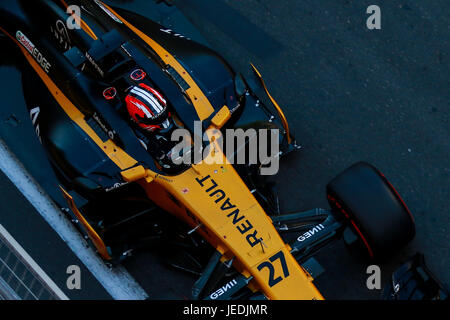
(147, 108)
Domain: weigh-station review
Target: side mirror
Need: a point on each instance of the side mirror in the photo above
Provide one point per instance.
(136, 173)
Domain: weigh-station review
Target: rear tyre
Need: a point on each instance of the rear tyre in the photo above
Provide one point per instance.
(373, 208)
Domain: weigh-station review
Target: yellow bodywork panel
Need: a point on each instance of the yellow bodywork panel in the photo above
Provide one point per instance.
(215, 196)
(221, 117)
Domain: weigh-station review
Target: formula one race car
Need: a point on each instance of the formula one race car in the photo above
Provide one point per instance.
(105, 95)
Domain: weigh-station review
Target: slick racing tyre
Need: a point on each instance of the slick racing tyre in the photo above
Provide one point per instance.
(373, 208)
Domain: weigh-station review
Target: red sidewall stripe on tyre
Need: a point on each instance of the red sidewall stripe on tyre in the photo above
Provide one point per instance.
(366, 243)
(397, 195)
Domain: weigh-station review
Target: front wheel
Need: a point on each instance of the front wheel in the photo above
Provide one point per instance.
(373, 208)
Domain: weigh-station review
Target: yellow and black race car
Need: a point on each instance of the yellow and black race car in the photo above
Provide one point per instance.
(106, 88)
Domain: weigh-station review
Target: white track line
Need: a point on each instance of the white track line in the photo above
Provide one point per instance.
(31, 263)
(117, 281)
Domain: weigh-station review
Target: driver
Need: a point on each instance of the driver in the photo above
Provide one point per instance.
(148, 109)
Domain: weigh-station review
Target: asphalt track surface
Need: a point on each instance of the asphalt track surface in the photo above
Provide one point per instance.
(350, 94)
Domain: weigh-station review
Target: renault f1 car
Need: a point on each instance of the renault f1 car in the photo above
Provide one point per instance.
(221, 219)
